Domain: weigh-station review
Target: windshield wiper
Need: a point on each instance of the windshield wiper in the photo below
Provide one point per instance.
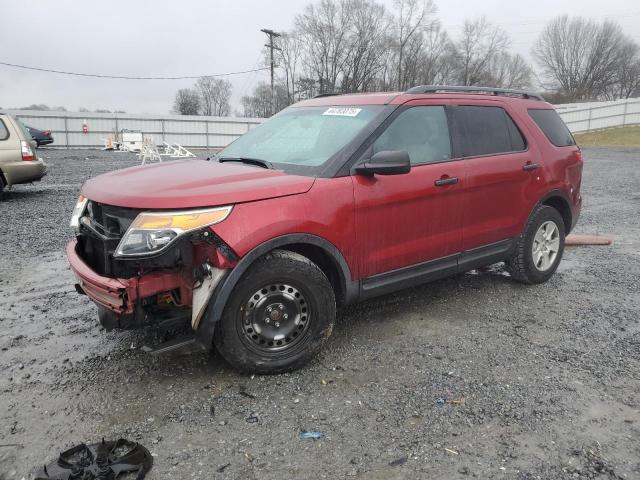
(248, 161)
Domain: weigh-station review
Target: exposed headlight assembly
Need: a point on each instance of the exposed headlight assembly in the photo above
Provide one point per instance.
(152, 232)
(78, 211)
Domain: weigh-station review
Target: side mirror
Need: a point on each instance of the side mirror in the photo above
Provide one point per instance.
(387, 162)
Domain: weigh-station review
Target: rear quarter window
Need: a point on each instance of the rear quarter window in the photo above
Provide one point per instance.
(552, 126)
(4, 132)
(23, 128)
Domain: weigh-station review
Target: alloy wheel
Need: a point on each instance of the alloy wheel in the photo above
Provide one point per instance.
(546, 245)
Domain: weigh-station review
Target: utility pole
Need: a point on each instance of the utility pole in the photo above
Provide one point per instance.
(272, 47)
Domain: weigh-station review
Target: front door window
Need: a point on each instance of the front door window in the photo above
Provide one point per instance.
(422, 131)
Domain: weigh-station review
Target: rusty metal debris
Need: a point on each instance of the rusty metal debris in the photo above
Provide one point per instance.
(99, 461)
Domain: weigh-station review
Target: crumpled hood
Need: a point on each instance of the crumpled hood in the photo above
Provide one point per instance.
(190, 184)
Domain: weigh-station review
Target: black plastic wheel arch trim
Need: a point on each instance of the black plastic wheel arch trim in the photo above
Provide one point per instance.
(225, 287)
(574, 212)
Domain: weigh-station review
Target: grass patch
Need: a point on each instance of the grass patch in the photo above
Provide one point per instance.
(611, 137)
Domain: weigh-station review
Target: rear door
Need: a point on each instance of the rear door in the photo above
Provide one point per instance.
(498, 177)
(408, 219)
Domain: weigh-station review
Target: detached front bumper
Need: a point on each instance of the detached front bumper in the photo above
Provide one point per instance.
(120, 295)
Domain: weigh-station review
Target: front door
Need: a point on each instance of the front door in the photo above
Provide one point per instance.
(407, 219)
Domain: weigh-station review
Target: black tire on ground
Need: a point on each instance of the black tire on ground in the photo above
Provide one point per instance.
(522, 265)
(289, 291)
(2, 185)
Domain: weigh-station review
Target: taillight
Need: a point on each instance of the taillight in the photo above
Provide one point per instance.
(577, 155)
(27, 153)
(47, 132)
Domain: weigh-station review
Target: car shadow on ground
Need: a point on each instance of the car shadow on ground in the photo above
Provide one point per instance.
(18, 194)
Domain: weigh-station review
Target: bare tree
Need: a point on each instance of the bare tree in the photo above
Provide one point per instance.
(307, 87)
(40, 107)
(288, 57)
(413, 18)
(187, 102)
(629, 80)
(259, 103)
(580, 57)
(627, 77)
(477, 49)
(437, 58)
(215, 95)
(508, 70)
(324, 29)
(366, 42)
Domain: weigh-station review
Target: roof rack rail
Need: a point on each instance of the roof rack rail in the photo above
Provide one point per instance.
(489, 90)
(327, 95)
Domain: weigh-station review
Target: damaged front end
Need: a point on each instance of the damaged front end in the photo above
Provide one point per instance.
(148, 268)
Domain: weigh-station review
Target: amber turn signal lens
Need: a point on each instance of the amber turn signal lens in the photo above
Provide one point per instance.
(181, 221)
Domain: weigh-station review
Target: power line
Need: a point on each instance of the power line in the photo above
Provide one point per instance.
(126, 77)
(249, 79)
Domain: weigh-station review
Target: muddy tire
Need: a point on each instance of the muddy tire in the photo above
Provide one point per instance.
(279, 315)
(540, 247)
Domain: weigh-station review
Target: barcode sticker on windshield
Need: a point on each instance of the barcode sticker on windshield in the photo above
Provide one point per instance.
(343, 111)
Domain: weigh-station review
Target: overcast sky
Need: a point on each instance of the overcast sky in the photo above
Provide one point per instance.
(196, 37)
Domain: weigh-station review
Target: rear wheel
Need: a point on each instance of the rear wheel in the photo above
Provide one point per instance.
(2, 185)
(279, 315)
(540, 248)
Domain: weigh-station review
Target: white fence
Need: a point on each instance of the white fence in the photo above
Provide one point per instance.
(188, 131)
(217, 132)
(583, 117)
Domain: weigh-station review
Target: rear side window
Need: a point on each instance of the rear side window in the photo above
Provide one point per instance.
(487, 131)
(421, 131)
(553, 127)
(24, 129)
(4, 133)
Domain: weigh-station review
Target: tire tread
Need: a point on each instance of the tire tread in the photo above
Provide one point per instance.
(517, 265)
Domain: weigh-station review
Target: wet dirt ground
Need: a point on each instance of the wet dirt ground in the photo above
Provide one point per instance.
(470, 377)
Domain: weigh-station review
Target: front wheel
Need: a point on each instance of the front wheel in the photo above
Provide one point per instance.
(279, 315)
(540, 247)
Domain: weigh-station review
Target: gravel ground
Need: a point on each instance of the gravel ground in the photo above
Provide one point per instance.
(471, 377)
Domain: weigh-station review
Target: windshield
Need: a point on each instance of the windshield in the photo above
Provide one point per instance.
(302, 136)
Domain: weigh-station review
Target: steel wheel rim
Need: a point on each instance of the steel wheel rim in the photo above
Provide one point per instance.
(275, 318)
(546, 246)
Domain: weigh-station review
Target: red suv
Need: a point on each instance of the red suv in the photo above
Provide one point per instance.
(332, 201)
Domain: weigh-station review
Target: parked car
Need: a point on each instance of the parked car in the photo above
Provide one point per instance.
(332, 201)
(18, 160)
(42, 137)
